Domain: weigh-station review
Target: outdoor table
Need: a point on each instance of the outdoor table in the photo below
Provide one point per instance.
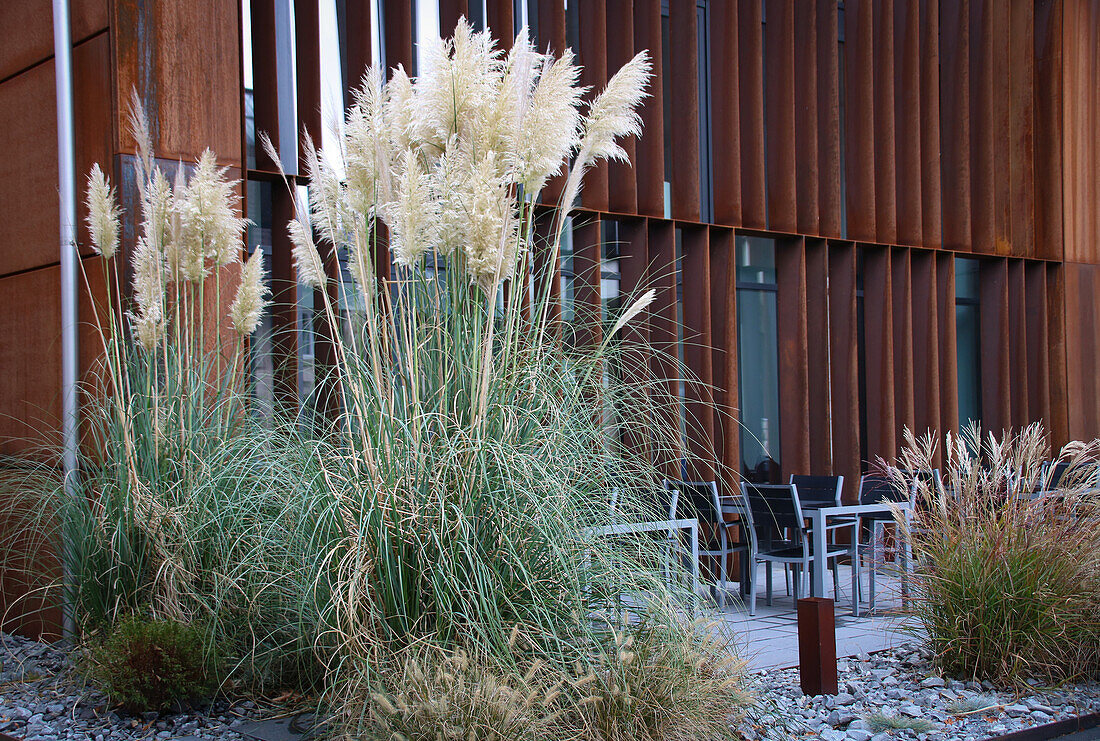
(820, 515)
(689, 524)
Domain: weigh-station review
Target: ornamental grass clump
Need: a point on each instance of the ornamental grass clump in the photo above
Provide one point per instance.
(183, 508)
(1007, 574)
(476, 447)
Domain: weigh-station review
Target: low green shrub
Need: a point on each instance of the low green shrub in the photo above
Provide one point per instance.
(880, 723)
(1007, 582)
(145, 664)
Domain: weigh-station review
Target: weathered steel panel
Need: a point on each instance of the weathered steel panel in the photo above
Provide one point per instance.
(750, 52)
(593, 50)
(28, 31)
(804, 114)
(725, 145)
(684, 98)
(995, 339)
(886, 226)
(844, 365)
(828, 119)
(650, 163)
(779, 115)
(859, 120)
(791, 330)
(698, 341)
(623, 188)
(955, 123)
(907, 120)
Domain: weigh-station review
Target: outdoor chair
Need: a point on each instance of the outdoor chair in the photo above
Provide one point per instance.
(875, 489)
(823, 491)
(1064, 473)
(778, 534)
(699, 499)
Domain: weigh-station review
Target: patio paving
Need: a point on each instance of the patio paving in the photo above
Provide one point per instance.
(769, 640)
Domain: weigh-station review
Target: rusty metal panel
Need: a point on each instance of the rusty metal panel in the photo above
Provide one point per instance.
(996, 393)
(1082, 327)
(551, 27)
(886, 228)
(844, 365)
(356, 37)
(907, 120)
(1019, 370)
(725, 144)
(779, 102)
(949, 361)
(817, 356)
(398, 33)
(546, 266)
(901, 290)
(30, 355)
(791, 331)
(684, 98)
(878, 324)
(499, 18)
(1037, 345)
(698, 341)
(828, 119)
(184, 61)
(750, 54)
(593, 43)
(1056, 338)
(806, 128)
(931, 215)
(450, 12)
(265, 87)
(723, 324)
(28, 171)
(664, 325)
(587, 246)
(955, 123)
(981, 128)
(1000, 130)
(623, 188)
(1047, 95)
(649, 164)
(29, 31)
(1081, 151)
(859, 119)
(634, 279)
(284, 301)
(307, 59)
(926, 342)
(1021, 125)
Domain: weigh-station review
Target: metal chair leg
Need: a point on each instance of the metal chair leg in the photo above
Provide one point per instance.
(768, 579)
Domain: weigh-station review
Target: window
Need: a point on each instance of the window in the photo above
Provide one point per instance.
(968, 322)
(758, 353)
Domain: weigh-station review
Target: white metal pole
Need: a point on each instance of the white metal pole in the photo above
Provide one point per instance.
(66, 171)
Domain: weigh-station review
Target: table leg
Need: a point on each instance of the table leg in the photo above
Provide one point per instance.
(820, 559)
(695, 567)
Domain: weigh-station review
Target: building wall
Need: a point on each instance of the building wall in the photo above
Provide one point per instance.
(873, 143)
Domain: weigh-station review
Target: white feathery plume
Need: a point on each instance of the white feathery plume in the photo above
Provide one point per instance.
(366, 142)
(637, 307)
(103, 213)
(213, 205)
(399, 110)
(148, 288)
(143, 138)
(611, 115)
(411, 217)
(325, 192)
(614, 113)
(307, 261)
(176, 246)
(458, 82)
(451, 183)
(549, 129)
(251, 299)
(490, 246)
(504, 113)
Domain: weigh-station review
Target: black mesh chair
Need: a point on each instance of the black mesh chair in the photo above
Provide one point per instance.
(778, 534)
(699, 500)
(823, 491)
(875, 489)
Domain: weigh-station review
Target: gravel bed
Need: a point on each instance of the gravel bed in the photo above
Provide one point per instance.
(41, 697)
(899, 687)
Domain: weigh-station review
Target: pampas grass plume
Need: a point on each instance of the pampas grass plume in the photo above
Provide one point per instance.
(251, 299)
(103, 213)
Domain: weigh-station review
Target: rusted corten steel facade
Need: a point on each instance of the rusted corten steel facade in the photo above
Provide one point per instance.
(873, 140)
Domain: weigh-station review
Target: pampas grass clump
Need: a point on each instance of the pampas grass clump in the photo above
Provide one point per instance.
(1008, 576)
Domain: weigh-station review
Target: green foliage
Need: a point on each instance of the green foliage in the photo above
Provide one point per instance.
(880, 722)
(1007, 582)
(145, 664)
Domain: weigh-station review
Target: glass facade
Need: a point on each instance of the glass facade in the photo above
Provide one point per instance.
(758, 353)
(968, 323)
